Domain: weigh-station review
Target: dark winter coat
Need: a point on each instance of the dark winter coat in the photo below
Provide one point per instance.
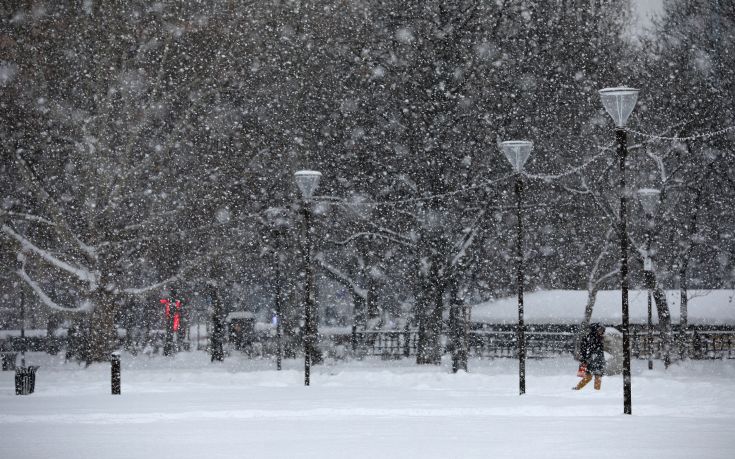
(591, 353)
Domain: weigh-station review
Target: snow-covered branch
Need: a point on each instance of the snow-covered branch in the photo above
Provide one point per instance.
(178, 276)
(467, 241)
(85, 306)
(660, 163)
(570, 171)
(181, 232)
(151, 287)
(30, 218)
(53, 207)
(133, 134)
(341, 277)
(81, 273)
(372, 235)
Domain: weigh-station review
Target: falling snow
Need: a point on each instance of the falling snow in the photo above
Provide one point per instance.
(456, 159)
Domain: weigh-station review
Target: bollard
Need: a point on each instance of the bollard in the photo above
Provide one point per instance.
(115, 373)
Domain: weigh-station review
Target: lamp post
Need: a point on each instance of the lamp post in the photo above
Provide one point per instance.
(619, 103)
(307, 181)
(279, 315)
(278, 224)
(649, 199)
(517, 152)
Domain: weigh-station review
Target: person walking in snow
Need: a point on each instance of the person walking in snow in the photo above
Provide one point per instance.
(592, 356)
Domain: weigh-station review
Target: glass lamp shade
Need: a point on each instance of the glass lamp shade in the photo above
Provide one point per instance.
(517, 152)
(619, 103)
(307, 182)
(649, 198)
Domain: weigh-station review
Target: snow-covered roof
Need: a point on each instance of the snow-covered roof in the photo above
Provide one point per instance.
(711, 307)
(240, 315)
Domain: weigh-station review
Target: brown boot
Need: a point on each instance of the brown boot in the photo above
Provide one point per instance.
(583, 382)
(598, 382)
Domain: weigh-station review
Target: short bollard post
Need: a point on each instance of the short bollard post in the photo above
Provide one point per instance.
(115, 373)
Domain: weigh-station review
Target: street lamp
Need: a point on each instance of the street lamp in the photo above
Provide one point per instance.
(278, 223)
(308, 181)
(517, 152)
(619, 103)
(649, 198)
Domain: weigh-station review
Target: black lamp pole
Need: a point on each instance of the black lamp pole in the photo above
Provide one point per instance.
(307, 182)
(623, 230)
(650, 332)
(517, 152)
(619, 103)
(308, 306)
(519, 280)
(279, 326)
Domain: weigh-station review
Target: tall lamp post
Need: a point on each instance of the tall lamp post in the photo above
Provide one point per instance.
(279, 224)
(649, 198)
(308, 181)
(279, 314)
(619, 103)
(517, 152)
(22, 327)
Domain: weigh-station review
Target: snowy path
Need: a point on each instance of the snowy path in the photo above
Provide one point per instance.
(369, 409)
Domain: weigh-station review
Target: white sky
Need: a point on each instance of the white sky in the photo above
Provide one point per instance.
(643, 10)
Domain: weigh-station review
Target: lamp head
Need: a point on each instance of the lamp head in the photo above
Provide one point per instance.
(619, 103)
(517, 152)
(649, 198)
(307, 182)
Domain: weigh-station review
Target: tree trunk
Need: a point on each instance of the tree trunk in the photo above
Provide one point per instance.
(359, 324)
(423, 320)
(664, 322)
(216, 341)
(360, 304)
(664, 316)
(430, 328)
(102, 336)
(593, 286)
(373, 310)
(457, 326)
(683, 342)
(436, 321)
(692, 227)
(592, 289)
(422, 294)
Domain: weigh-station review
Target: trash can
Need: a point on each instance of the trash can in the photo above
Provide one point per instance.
(8, 360)
(25, 380)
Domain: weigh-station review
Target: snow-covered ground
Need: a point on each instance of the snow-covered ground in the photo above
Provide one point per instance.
(185, 407)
